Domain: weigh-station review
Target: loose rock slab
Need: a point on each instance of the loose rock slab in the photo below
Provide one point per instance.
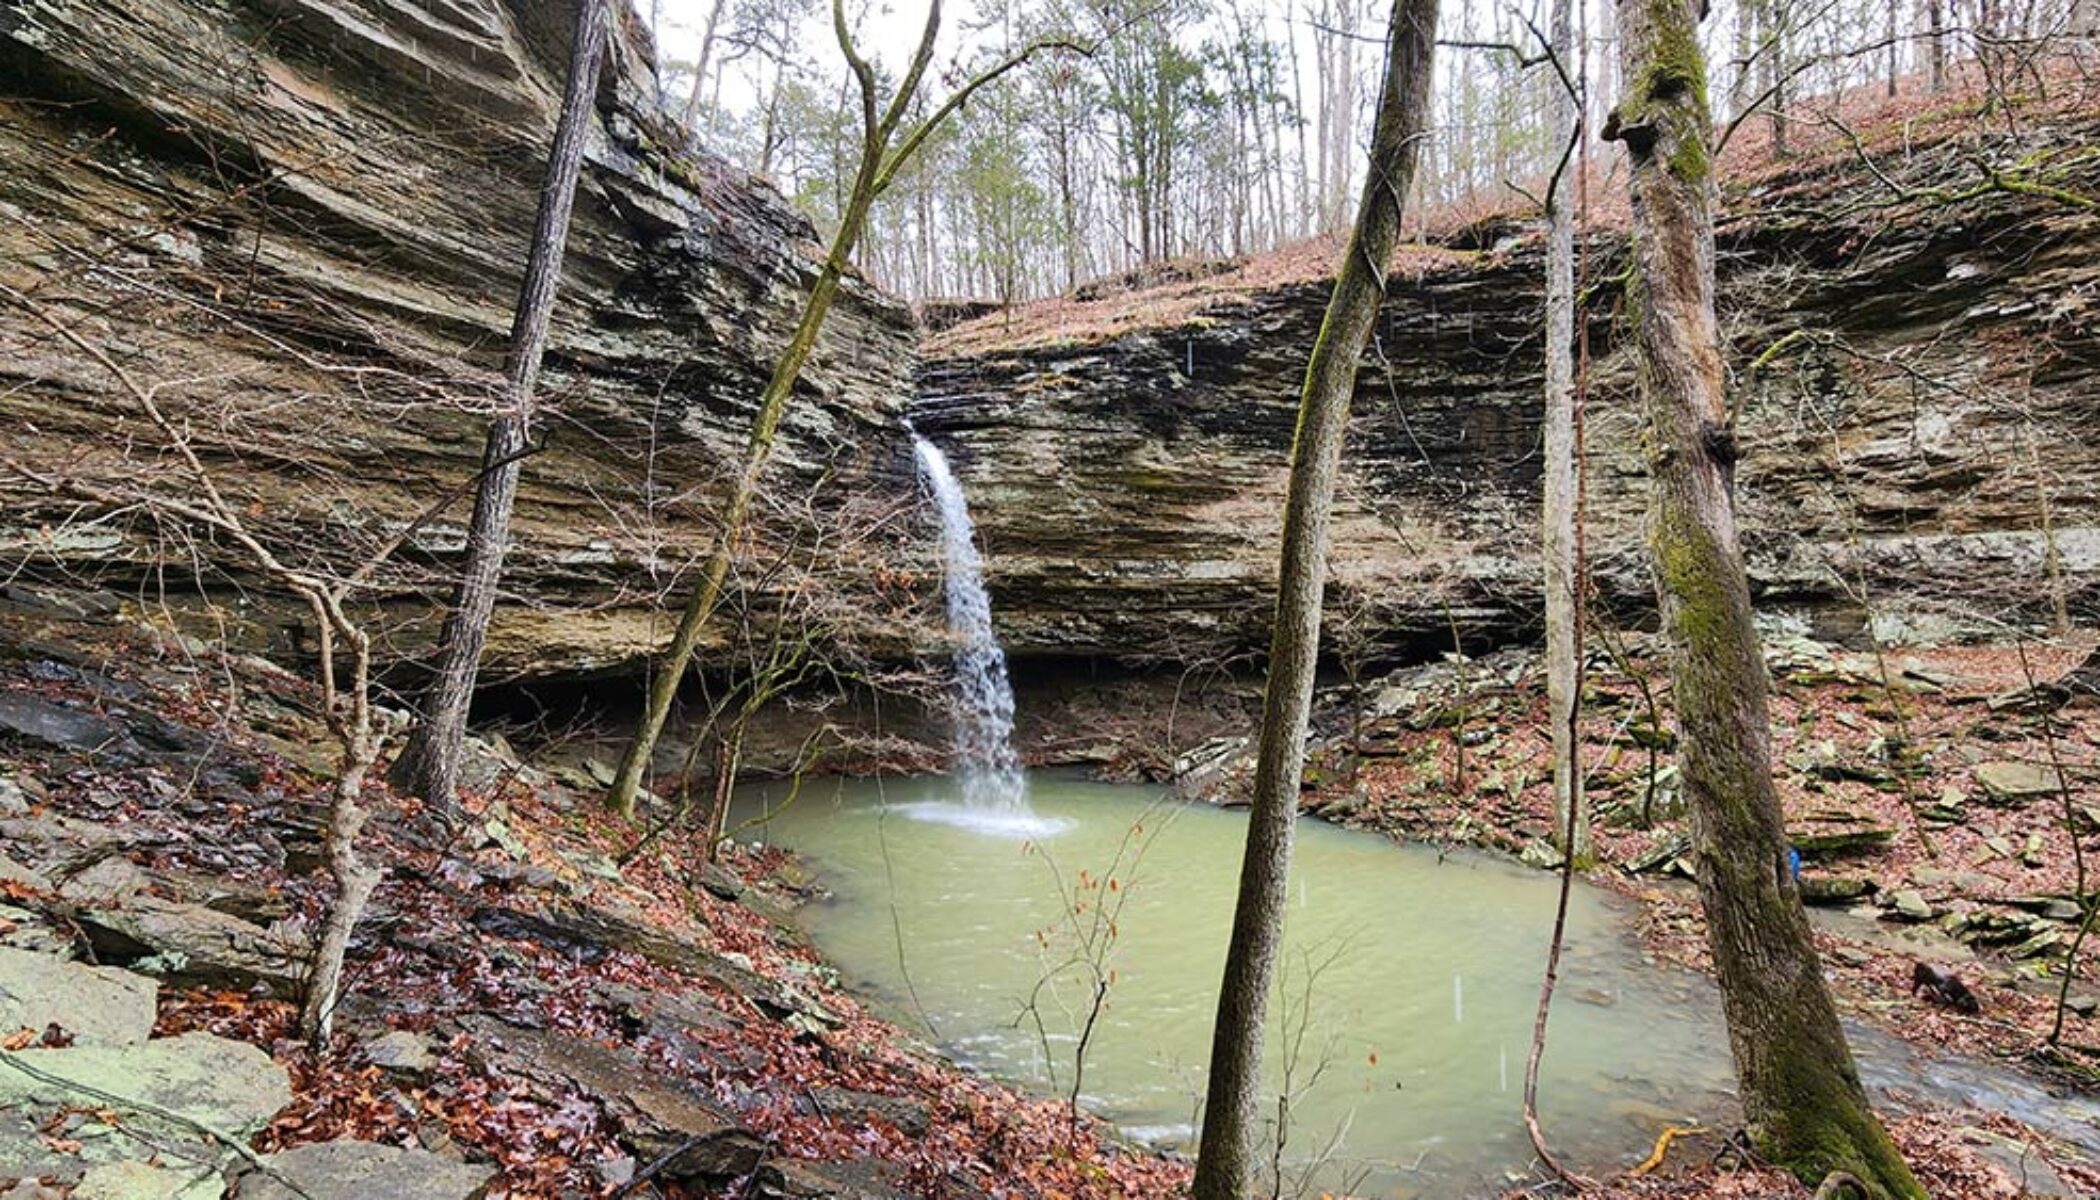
(231, 1086)
(352, 1170)
(144, 1181)
(99, 1006)
(211, 947)
(2017, 782)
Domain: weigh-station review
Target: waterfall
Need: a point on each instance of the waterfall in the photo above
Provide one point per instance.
(985, 763)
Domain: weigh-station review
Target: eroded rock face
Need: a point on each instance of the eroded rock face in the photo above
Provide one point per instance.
(1932, 418)
(304, 221)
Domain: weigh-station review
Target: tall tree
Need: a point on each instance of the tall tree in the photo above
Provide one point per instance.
(887, 143)
(1936, 44)
(1148, 85)
(1563, 573)
(1226, 1155)
(1801, 1092)
(691, 112)
(429, 764)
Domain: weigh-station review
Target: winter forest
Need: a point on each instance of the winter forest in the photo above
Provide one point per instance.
(1200, 130)
(973, 600)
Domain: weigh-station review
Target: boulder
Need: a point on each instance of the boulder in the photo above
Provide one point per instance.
(353, 1170)
(97, 1005)
(1836, 890)
(402, 1052)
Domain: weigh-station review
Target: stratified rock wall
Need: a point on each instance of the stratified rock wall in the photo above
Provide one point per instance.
(305, 221)
(1929, 430)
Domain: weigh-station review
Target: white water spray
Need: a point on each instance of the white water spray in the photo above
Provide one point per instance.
(985, 763)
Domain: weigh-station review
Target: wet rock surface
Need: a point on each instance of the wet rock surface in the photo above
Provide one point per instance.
(158, 1091)
(94, 1005)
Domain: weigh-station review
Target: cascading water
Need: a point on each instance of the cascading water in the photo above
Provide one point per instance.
(995, 793)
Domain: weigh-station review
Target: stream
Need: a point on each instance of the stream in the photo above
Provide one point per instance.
(1403, 1015)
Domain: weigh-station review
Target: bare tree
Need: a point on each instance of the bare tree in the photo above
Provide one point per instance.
(1801, 1092)
(1560, 549)
(882, 153)
(429, 765)
(1225, 1165)
(197, 503)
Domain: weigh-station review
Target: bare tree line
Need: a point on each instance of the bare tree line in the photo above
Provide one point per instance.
(1219, 128)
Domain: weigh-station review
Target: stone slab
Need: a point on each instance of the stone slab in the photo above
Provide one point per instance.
(100, 1006)
(352, 1170)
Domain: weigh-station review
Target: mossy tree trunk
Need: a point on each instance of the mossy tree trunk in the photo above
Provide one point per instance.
(1801, 1092)
(429, 764)
(1225, 1161)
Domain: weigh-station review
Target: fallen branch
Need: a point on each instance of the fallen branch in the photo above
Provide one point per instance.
(1662, 1145)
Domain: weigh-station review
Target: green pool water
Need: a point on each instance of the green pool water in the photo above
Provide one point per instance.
(1400, 1026)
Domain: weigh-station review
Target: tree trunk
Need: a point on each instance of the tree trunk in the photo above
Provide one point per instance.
(349, 718)
(1740, 92)
(1226, 1157)
(1936, 44)
(1775, 23)
(1800, 1090)
(1563, 571)
(729, 758)
(707, 49)
(429, 765)
(663, 689)
(354, 882)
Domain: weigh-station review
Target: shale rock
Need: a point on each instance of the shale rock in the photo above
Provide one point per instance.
(1126, 456)
(291, 188)
(352, 1170)
(2017, 782)
(656, 1117)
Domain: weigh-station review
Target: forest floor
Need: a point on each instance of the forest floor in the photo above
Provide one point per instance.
(589, 1028)
(1932, 792)
(515, 997)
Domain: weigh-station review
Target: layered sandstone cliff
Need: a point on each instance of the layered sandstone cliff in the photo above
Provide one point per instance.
(305, 221)
(1925, 438)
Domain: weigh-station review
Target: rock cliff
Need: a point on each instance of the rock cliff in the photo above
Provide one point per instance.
(304, 221)
(1923, 435)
